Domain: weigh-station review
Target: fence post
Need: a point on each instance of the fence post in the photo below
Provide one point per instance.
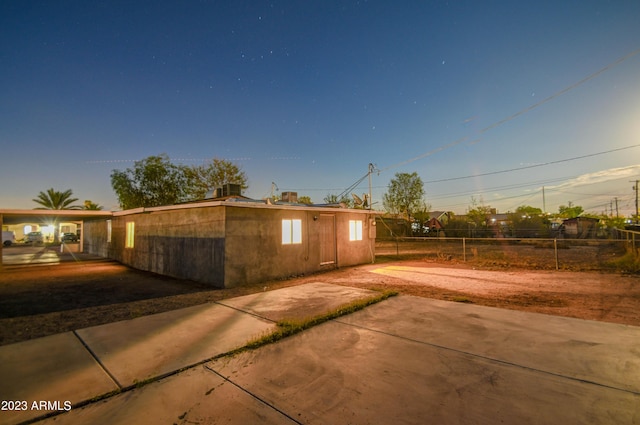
(555, 249)
(464, 250)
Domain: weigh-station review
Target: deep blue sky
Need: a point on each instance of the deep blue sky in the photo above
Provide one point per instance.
(307, 93)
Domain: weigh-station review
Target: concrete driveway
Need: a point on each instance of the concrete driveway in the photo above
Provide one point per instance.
(40, 254)
(405, 360)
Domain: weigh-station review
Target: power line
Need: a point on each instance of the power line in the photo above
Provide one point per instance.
(521, 112)
(505, 187)
(424, 155)
(533, 166)
(450, 195)
(563, 91)
(528, 195)
(517, 114)
(243, 158)
(534, 194)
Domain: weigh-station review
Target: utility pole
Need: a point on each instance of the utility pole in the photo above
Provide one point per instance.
(372, 168)
(610, 209)
(636, 189)
(617, 212)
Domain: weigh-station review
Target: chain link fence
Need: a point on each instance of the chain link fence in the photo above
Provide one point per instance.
(536, 253)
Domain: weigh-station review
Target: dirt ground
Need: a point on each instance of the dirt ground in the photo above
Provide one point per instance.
(36, 301)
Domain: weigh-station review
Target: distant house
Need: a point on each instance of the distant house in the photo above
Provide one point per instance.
(443, 217)
(579, 228)
(234, 242)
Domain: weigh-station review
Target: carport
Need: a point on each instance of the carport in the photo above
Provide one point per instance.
(15, 216)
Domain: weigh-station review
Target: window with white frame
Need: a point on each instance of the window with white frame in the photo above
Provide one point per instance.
(108, 231)
(130, 234)
(355, 230)
(291, 231)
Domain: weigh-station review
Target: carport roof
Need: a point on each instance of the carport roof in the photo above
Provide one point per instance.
(12, 216)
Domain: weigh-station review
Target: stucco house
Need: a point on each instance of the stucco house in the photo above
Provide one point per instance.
(229, 243)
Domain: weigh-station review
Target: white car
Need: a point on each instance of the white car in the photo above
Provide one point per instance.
(8, 237)
(34, 237)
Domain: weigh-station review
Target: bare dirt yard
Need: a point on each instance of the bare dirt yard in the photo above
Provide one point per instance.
(41, 300)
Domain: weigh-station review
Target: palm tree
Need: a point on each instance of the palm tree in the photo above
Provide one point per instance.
(54, 200)
(89, 205)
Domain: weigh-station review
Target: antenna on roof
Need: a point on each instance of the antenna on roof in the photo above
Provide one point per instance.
(367, 202)
(274, 188)
(356, 199)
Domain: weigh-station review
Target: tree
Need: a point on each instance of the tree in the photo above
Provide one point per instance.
(458, 228)
(54, 200)
(305, 200)
(570, 211)
(529, 222)
(528, 210)
(333, 199)
(405, 195)
(615, 222)
(203, 178)
(152, 182)
(155, 181)
(89, 205)
(478, 214)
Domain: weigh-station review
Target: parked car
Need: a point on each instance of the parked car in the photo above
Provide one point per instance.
(34, 237)
(69, 237)
(8, 237)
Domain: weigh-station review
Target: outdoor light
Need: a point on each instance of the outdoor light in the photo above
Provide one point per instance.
(48, 230)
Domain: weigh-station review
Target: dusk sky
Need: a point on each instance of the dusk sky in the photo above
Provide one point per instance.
(485, 100)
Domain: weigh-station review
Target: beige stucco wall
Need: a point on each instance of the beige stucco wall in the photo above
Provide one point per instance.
(356, 252)
(228, 245)
(184, 243)
(255, 253)
(254, 249)
(94, 237)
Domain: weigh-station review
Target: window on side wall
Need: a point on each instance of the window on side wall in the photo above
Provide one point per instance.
(291, 232)
(355, 230)
(130, 234)
(108, 231)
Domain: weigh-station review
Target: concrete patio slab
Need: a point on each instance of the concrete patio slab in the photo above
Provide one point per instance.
(94, 361)
(195, 396)
(604, 353)
(56, 368)
(345, 374)
(298, 302)
(151, 346)
(405, 360)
